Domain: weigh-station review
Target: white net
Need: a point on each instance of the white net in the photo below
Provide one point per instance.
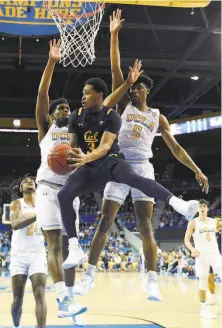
(78, 23)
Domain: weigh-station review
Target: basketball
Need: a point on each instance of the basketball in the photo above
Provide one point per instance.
(57, 159)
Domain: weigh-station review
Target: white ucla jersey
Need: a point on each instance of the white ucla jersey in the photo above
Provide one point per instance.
(204, 237)
(27, 239)
(137, 132)
(53, 137)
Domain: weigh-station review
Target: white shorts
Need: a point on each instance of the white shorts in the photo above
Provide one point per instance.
(203, 264)
(48, 209)
(28, 263)
(118, 191)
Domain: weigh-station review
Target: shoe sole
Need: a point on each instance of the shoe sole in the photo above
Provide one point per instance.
(64, 314)
(194, 210)
(154, 299)
(69, 266)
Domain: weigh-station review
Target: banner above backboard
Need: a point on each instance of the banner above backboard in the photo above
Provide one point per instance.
(27, 18)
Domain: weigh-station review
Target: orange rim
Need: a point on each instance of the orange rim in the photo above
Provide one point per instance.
(100, 5)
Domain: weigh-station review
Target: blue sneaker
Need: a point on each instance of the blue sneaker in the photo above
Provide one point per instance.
(68, 308)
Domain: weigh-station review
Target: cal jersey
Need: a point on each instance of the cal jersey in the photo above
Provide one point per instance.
(27, 239)
(205, 237)
(55, 136)
(137, 132)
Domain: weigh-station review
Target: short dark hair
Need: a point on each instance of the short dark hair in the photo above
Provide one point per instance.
(204, 201)
(55, 103)
(99, 85)
(146, 80)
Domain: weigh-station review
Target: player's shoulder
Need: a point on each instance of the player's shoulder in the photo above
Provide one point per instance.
(15, 203)
(154, 111)
(110, 112)
(192, 223)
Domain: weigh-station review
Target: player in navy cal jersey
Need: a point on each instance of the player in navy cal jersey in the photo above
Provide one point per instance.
(93, 135)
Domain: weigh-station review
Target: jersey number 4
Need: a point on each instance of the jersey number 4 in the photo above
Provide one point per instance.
(136, 132)
(32, 229)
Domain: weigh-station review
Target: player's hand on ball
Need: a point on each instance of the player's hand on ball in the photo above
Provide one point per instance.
(135, 72)
(195, 253)
(203, 181)
(76, 158)
(115, 21)
(55, 52)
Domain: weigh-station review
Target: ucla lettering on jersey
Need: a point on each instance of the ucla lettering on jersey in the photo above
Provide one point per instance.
(205, 237)
(55, 136)
(137, 132)
(29, 238)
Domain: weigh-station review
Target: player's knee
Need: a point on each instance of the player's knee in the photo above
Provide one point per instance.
(145, 224)
(203, 283)
(55, 248)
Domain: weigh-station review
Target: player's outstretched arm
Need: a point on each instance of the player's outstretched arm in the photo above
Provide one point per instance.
(181, 154)
(42, 105)
(116, 23)
(134, 73)
(115, 26)
(17, 220)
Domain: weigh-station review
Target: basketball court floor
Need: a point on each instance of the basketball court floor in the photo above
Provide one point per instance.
(119, 300)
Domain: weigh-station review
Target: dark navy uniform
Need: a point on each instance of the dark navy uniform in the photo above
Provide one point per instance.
(90, 126)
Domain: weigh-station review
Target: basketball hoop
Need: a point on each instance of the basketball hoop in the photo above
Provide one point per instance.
(78, 23)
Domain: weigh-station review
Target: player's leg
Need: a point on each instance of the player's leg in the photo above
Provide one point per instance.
(211, 295)
(109, 211)
(82, 181)
(202, 270)
(69, 274)
(38, 286)
(144, 211)
(18, 289)
(49, 218)
(123, 173)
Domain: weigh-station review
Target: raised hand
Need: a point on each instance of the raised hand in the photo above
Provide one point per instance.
(203, 181)
(135, 72)
(55, 52)
(115, 21)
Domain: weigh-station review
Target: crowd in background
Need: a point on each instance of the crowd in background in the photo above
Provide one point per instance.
(5, 246)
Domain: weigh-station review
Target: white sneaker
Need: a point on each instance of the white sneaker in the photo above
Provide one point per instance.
(85, 285)
(77, 321)
(154, 292)
(76, 257)
(206, 313)
(67, 308)
(188, 209)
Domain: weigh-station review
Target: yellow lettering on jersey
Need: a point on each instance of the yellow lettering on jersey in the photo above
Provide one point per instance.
(151, 126)
(32, 229)
(91, 139)
(60, 135)
(136, 133)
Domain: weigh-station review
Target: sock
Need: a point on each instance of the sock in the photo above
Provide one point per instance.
(203, 305)
(73, 241)
(178, 205)
(61, 290)
(69, 291)
(91, 270)
(16, 327)
(124, 173)
(152, 277)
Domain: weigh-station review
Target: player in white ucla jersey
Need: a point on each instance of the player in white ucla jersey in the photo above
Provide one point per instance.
(139, 126)
(52, 120)
(206, 251)
(28, 255)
